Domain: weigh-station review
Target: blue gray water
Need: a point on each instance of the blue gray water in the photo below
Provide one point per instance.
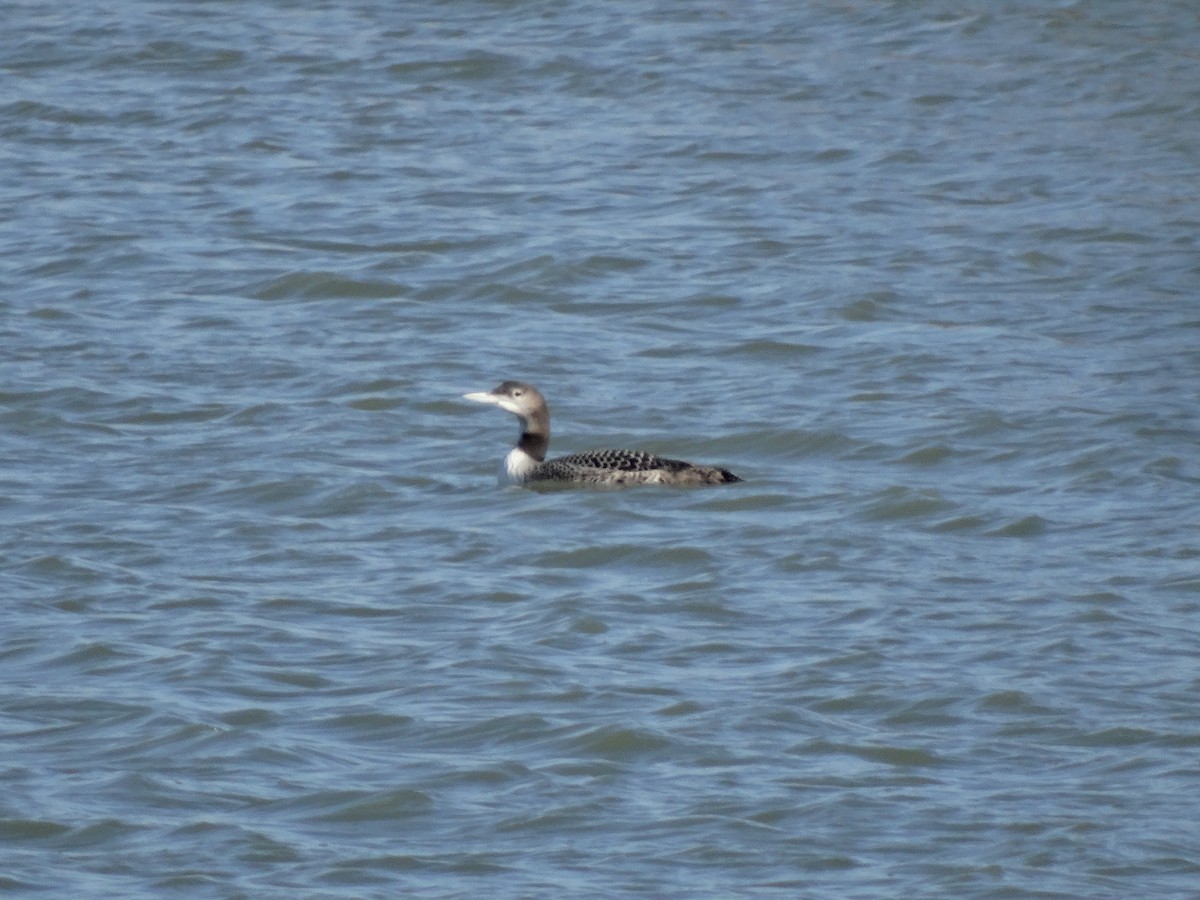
(926, 275)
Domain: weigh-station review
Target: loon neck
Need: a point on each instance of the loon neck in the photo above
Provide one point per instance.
(522, 461)
(535, 432)
(533, 444)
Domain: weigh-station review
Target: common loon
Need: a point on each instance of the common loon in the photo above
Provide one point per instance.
(527, 461)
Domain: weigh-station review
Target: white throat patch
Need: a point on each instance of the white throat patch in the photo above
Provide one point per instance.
(517, 467)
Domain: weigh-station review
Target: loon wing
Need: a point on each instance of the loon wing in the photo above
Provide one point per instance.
(620, 467)
(621, 461)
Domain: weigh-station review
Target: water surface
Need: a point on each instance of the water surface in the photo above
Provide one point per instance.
(924, 275)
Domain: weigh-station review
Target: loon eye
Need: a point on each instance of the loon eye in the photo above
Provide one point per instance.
(517, 392)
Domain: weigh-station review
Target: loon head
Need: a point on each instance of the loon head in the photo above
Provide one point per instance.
(527, 404)
(516, 397)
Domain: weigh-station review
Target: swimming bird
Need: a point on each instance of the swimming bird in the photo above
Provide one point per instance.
(527, 462)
